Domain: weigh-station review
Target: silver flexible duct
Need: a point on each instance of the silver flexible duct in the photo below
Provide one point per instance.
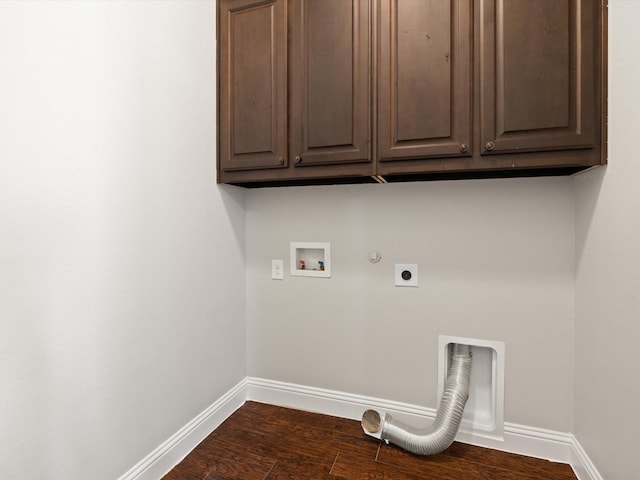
(441, 433)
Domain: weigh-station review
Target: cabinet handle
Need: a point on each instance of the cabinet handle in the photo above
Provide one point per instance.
(464, 148)
(490, 146)
(280, 160)
(298, 159)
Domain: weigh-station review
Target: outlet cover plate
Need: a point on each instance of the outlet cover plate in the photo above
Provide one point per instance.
(409, 279)
(277, 269)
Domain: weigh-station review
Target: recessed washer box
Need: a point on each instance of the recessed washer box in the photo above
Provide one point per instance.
(310, 259)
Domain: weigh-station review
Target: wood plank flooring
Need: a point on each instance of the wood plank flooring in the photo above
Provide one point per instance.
(265, 442)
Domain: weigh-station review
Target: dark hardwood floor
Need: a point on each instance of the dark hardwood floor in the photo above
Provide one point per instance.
(265, 442)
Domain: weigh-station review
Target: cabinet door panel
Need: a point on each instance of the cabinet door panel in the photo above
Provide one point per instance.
(538, 75)
(253, 84)
(424, 84)
(330, 92)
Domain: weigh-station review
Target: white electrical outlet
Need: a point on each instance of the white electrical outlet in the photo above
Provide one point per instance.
(406, 275)
(277, 269)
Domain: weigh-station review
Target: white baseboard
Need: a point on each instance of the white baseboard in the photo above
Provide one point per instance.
(582, 464)
(520, 439)
(524, 440)
(161, 460)
(516, 439)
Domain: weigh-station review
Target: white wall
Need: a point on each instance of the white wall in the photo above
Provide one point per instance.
(496, 262)
(607, 420)
(117, 326)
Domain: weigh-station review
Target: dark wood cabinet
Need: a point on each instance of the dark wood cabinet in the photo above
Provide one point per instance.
(252, 85)
(330, 82)
(351, 91)
(539, 77)
(424, 81)
(318, 126)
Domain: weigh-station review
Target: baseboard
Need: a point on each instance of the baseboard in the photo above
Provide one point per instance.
(582, 464)
(524, 440)
(158, 463)
(519, 439)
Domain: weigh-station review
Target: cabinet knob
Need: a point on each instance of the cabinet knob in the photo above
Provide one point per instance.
(280, 160)
(464, 148)
(490, 146)
(298, 159)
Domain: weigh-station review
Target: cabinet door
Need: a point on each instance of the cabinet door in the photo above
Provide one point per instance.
(253, 84)
(425, 79)
(538, 76)
(329, 72)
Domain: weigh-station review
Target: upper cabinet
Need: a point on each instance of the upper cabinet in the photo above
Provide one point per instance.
(330, 83)
(252, 80)
(295, 110)
(424, 82)
(327, 91)
(539, 78)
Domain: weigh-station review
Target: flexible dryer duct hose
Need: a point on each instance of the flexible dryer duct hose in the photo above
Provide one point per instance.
(441, 433)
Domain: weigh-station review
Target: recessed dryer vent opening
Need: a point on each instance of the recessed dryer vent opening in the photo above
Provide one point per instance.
(484, 413)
